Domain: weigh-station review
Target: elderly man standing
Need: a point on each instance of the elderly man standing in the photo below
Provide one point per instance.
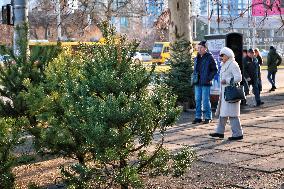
(205, 68)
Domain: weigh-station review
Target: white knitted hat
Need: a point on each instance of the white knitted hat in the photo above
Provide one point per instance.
(228, 52)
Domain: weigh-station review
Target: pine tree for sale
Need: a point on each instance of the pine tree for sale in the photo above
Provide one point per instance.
(103, 110)
(15, 118)
(181, 69)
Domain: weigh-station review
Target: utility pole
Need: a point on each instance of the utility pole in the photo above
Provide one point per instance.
(248, 25)
(254, 33)
(218, 16)
(209, 16)
(20, 14)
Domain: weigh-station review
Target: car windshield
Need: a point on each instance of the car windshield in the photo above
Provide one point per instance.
(145, 54)
(4, 57)
(157, 48)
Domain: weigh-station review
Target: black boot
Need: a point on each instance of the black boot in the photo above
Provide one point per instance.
(236, 138)
(217, 135)
(196, 120)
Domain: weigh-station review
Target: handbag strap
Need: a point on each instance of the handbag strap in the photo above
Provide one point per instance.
(232, 83)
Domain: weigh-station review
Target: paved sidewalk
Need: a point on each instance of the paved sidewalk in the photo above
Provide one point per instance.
(262, 148)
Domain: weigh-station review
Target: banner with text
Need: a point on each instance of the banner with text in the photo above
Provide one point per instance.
(214, 46)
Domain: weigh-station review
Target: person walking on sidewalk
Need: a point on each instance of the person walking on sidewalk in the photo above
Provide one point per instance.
(244, 81)
(205, 67)
(273, 60)
(251, 68)
(260, 62)
(230, 69)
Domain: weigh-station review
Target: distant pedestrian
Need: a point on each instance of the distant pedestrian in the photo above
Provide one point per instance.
(260, 62)
(244, 81)
(230, 69)
(273, 60)
(205, 67)
(251, 74)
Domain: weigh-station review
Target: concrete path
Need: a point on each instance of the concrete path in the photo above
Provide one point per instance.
(262, 148)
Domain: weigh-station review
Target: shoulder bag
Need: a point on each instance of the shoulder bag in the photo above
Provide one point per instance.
(234, 92)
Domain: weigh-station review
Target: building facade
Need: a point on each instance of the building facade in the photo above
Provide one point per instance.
(226, 7)
(235, 16)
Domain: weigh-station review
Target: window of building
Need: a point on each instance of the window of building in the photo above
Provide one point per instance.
(120, 3)
(154, 8)
(124, 21)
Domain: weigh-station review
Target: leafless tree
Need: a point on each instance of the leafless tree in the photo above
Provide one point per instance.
(106, 9)
(88, 14)
(6, 36)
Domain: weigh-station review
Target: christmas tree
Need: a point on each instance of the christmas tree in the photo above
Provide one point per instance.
(181, 69)
(22, 65)
(15, 117)
(98, 108)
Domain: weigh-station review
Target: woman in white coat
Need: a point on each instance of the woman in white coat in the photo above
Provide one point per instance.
(230, 69)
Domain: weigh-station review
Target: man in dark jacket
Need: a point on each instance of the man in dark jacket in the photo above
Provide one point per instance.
(245, 82)
(251, 74)
(205, 67)
(273, 60)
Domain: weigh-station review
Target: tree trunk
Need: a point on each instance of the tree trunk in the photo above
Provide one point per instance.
(180, 19)
(123, 164)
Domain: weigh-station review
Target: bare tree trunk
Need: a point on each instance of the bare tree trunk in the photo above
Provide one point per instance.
(46, 31)
(180, 19)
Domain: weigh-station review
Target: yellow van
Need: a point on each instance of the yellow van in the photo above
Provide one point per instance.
(160, 52)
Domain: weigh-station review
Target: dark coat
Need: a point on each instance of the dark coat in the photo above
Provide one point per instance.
(273, 60)
(206, 69)
(251, 69)
(259, 60)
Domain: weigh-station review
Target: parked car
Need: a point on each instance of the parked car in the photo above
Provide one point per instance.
(4, 59)
(167, 61)
(280, 52)
(264, 52)
(141, 57)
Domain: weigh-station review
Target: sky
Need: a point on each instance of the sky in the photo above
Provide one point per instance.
(3, 2)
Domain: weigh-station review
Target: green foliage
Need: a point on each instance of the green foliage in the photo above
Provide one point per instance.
(165, 163)
(10, 130)
(15, 72)
(181, 69)
(14, 113)
(97, 106)
(183, 160)
(25, 159)
(33, 186)
(23, 65)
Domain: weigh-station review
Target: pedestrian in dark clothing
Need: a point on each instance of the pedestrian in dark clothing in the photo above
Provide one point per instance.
(273, 60)
(205, 67)
(260, 62)
(244, 81)
(251, 74)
